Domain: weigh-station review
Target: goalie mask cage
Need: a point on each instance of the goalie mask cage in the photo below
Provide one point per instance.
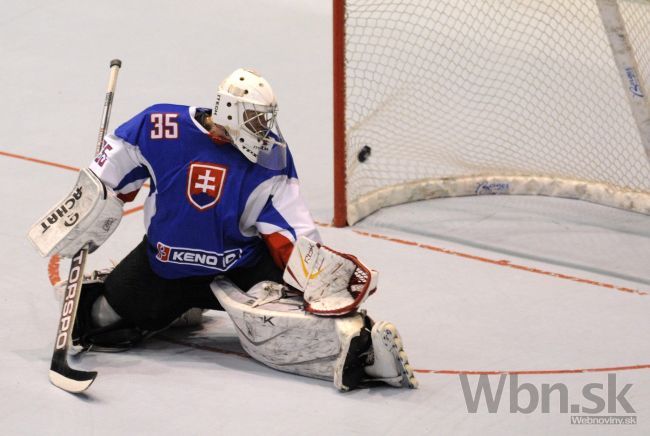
(469, 97)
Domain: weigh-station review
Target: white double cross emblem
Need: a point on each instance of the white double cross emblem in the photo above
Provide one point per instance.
(205, 186)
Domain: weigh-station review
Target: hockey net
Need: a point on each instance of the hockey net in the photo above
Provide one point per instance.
(457, 97)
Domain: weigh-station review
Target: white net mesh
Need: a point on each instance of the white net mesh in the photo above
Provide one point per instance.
(458, 88)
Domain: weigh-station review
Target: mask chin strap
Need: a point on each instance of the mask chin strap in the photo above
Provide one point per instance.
(220, 140)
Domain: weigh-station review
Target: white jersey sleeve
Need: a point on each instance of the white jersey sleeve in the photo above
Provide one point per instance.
(121, 166)
(277, 212)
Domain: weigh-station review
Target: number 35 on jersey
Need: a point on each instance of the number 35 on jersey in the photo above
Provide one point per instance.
(164, 126)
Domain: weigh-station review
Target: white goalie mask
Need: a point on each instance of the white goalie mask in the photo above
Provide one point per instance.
(246, 108)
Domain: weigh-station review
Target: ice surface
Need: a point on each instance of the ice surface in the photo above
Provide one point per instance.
(487, 285)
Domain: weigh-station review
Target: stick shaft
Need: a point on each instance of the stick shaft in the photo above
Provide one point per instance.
(108, 103)
(61, 374)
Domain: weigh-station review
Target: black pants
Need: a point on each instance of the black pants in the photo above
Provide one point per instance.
(151, 302)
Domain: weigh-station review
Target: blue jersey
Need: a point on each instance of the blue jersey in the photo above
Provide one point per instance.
(209, 208)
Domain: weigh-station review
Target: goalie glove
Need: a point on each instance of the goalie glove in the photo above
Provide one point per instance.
(86, 216)
(332, 283)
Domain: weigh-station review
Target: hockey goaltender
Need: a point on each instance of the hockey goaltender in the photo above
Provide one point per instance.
(226, 229)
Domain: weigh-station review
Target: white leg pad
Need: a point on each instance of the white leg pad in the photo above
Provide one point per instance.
(275, 330)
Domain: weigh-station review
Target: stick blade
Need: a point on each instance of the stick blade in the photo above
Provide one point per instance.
(72, 380)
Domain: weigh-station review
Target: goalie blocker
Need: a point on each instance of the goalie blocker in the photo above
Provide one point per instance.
(87, 215)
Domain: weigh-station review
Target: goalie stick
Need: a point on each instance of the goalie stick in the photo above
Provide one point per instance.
(61, 375)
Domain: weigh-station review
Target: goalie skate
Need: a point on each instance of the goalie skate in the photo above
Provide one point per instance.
(391, 364)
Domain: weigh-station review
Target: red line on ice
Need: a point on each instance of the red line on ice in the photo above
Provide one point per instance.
(503, 263)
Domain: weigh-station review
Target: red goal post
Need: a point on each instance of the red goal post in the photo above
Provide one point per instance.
(459, 97)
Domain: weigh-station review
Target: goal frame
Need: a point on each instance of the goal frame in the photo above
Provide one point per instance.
(601, 193)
